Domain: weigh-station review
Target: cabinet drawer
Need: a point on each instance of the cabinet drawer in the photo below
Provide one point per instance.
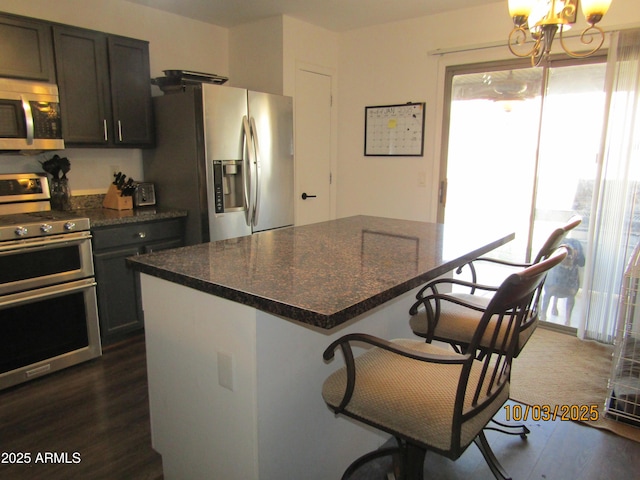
(136, 234)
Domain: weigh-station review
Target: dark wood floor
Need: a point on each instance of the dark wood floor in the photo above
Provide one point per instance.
(553, 451)
(100, 410)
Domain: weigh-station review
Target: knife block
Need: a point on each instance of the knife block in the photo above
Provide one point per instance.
(114, 201)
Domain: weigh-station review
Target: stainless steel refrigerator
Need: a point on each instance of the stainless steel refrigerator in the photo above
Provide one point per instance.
(226, 155)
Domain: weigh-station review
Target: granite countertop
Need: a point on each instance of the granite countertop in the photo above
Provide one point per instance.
(104, 217)
(326, 273)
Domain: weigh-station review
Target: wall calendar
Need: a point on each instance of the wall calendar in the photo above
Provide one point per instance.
(394, 130)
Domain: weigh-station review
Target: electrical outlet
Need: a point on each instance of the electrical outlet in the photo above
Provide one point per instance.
(225, 370)
(422, 179)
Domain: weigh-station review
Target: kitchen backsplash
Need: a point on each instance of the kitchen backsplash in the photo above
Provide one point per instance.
(86, 201)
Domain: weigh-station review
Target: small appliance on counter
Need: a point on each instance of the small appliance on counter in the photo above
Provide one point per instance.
(145, 194)
(126, 194)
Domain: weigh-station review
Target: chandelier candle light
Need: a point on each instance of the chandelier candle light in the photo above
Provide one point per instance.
(543, 18)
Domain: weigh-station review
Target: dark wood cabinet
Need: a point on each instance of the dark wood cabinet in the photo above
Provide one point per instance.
(105, 90)
(130, 91)
(26, 49)
(118, 307)
(119, 302)
(83, 80)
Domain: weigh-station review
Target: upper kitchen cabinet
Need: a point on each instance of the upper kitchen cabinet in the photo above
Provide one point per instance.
(25, 49)
(105, 90)
(130, 90)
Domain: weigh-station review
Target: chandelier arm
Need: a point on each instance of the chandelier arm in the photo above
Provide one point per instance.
(586, 38)
(544, 26)
(518, 36)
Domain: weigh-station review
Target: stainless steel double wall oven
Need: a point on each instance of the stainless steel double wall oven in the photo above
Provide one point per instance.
(48, 309)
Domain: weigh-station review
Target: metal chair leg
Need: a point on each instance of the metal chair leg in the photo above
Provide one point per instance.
(497, 469)
(520, 429)
(364, 459)
(408, 462)
(414, 464)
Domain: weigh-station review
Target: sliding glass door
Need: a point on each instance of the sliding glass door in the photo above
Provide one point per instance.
(521, 149)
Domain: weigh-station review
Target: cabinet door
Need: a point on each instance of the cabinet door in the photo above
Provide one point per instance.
(164, 245)
(119, 307)
(81, 64)
(26, 50)
(130, 91)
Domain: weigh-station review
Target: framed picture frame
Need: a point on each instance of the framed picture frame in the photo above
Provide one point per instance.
(394, 130)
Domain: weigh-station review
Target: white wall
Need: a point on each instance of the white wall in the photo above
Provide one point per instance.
(175, 43)
(392, 64)
(309, 45)
(386, 64)
(255, 55)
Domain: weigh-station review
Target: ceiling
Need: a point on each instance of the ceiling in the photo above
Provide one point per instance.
(335, 15)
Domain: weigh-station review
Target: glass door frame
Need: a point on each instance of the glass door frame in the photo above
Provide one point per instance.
(498, 65)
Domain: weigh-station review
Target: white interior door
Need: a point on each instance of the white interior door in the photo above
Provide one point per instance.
(313, 147)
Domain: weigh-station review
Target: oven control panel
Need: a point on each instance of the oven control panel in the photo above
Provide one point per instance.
(28, 225)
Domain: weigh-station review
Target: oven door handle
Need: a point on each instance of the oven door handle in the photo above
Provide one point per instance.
(42, 243)
(47, 292)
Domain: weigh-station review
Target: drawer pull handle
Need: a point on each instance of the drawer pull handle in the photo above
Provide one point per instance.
(141, 234)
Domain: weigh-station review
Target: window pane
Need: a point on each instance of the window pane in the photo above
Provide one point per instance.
(518, 158)
(494, 122)
(570, 138)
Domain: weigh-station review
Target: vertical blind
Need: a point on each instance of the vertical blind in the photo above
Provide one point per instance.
(617, 214)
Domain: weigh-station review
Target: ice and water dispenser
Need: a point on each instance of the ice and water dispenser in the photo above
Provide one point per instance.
(228, 185)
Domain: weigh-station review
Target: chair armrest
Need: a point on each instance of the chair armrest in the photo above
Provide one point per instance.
(454, 281)
(474, 272)
(432, 308)
(438, 297)
(501, 262)
(345, 341)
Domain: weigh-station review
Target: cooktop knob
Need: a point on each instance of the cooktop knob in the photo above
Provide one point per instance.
(45, 228)
(69, 226)
(21, 231)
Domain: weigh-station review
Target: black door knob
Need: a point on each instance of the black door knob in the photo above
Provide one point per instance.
(305, 196)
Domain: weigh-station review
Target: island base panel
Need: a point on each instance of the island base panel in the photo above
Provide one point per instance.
(274, 423)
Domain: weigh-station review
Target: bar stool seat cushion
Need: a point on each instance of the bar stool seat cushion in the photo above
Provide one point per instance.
(400, 394)
(458, 323)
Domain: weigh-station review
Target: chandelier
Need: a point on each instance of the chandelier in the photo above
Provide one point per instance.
(543, 19)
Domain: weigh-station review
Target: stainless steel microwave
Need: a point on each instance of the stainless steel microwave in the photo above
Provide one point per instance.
(29, 116)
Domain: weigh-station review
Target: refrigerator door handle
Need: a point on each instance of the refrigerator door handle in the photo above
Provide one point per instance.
(256, 206)
(247, 161)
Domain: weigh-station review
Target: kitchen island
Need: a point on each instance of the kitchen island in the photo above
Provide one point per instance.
(235, 332)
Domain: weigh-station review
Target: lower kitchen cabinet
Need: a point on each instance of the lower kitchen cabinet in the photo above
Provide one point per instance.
(119, 303)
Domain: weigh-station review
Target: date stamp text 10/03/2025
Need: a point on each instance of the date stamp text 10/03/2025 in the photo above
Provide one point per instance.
(536, 413)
